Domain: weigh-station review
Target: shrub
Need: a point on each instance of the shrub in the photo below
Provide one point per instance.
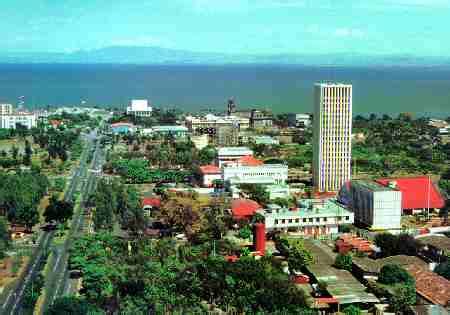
(343, 262)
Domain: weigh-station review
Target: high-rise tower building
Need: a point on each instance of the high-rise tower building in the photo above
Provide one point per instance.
(332, 135)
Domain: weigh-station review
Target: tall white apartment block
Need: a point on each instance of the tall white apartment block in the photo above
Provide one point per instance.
(332, 135)
(139, 108)
(6, 109)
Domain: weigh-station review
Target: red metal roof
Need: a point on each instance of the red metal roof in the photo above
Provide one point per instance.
(249, 160)
(244, 208)
(415, 192)
(210, 169)
(151, 201)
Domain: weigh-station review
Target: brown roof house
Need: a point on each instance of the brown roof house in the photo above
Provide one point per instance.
(430, 287)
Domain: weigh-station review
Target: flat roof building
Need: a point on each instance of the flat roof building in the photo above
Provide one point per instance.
(332, 135)
(374, 205)
(139, 108)
(312, 217)
(232, 154)
(6, 109)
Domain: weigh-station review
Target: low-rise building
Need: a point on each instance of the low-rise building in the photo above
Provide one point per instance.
(419, 194)
(261, 119)
(299, 120)
(177, 132)
(200, 142)
(244, 208)
(229, 155)
(430, 287)
(312, 217)
(436, 247)
(210, 173)
(278, 191)
(210, 124)
(139, 108)
(255, 174)
(374, 205)
(24, 119)
(6, 109)
(122, 128)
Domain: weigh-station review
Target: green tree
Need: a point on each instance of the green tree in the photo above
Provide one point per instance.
(297, 255)
(343, 262)
(27, 153)
(393, 274)
(105, 206)
(58, 210)
(256, 192)
(352, 310)
(5, 239)
(28, 216)
(403, 297)
(245, 232)
(71, 305)
(443, 269)
(207, 155)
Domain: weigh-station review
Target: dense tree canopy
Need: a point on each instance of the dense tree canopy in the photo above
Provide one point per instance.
(165, 277)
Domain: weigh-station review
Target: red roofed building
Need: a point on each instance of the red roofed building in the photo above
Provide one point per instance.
(418, 193)
(150, 203)
(249, 160)
(210, 173)
(430, 286)
(244, 208)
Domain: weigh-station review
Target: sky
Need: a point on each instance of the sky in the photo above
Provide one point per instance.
(366, 27)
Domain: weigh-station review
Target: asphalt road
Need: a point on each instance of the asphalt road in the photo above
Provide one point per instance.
(13, 302)
(59, 277)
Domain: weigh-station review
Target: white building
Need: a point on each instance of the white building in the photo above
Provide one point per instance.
(229, 155)
(311, 218)
(267, 174)
(20, 118)
(139, 108)
(6, 109)
(376, 206)
(210, 173)
(209, 124)
(299, 120)
(332, 136)
(200, 142)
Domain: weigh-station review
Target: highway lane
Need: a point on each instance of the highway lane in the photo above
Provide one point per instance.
(13, 303)
(61, 284)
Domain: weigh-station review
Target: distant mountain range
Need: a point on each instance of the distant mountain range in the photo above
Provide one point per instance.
(157, 55)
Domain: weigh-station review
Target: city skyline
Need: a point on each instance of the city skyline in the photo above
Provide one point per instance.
(381, 27)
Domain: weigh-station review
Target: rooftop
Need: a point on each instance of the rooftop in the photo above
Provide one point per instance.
(312, 208)
(372, 185)
(438, 241)
(237, 151)
(169, 128)
(340, 283)
(210, 169)
(332, 84)
(431, 286)
(242, 208)
(417, 192)
(375, 265)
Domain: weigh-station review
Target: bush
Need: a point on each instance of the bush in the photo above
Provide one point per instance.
(343, 262)
(245, 232)
(394, 274)
(352, 310)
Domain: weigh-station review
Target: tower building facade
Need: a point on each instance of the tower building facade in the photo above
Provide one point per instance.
(332, 135)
